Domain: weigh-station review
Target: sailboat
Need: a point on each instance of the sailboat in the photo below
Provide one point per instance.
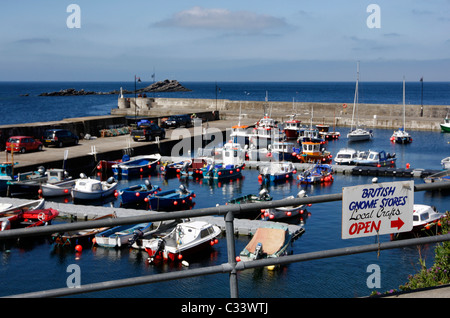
(401, 136)
(358, 134)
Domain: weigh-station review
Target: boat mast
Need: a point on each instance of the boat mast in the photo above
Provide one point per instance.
(355, 100)
(404, 112)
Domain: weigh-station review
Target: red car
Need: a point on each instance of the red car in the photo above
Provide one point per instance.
(23, 144)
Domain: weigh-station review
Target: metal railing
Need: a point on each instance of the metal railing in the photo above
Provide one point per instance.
(232, 266)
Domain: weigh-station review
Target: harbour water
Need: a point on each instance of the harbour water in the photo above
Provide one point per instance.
(341, 277)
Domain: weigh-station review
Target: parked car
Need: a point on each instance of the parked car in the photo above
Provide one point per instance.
(176, 121)
(59, 137)
(23, 144)
(147, 131)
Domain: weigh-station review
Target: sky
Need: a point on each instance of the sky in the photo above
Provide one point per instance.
(217, 40)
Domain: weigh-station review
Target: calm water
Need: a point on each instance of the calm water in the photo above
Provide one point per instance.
(337, 277)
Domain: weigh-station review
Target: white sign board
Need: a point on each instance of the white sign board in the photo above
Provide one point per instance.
(379, 208)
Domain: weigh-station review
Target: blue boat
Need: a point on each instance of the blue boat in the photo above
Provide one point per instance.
(137, 193)
(375, 159)
(233, 161)
(277, 171)
(176, 168)
(122, 235)
(138, 166)
(171, 200)
(316, 174)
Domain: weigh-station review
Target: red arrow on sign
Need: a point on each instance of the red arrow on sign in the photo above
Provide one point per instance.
(397, 223)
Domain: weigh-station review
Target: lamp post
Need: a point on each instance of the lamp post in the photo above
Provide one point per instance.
(136, 79)
(421, 99)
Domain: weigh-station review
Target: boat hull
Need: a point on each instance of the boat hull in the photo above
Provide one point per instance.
(118, 236)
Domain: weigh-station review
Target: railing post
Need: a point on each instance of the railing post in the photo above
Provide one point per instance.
(231, 252)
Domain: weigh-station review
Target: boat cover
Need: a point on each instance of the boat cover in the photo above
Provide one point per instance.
(272, 240)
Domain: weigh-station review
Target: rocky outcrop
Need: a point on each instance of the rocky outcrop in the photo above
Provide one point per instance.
(162, 86)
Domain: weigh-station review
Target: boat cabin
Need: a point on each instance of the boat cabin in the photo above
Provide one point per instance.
(311, 148)
(233, 154)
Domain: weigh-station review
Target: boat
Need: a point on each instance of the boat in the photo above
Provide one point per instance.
(10, 213)
(282, 150)
(176, 168)
(137, 193)
(268, 242)
(286, 211)
(426, 221)
(185, 239)
(105, 166)
(138, 166)
(445, 126)
(262, 196)
(400, 136)
(375, 158)
(27, 182)
(122, 235)
(6, 174)
(233, 161)
(445, 163)
(311, 152)
(93, 189)
(346, 156)
(358, 134)
(171, 200)
(277, 171)
(58, 184)
(81, 237)
(240, 133)
(37, 217)
(441, 176)
(292, 127)
(316, 174)
(264, 133)
(326, 134)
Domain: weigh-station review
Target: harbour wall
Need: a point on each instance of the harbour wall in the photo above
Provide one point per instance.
(388, 116)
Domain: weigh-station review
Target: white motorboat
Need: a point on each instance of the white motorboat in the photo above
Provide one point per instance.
(285, 211)
(58, 184)
(186, 238)
(445, 163)
(91, 189)
(425, 216)
(346, 156)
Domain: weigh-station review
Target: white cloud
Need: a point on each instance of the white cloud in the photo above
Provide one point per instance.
(222, 19)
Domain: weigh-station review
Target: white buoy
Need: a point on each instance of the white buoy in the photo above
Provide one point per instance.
(184, 263)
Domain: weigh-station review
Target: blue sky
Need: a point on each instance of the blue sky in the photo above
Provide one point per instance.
(246, 40)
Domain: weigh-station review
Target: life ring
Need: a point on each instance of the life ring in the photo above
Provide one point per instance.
(41, 216)
(345, 105)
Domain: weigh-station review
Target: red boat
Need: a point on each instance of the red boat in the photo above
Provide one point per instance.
(292, 127)
(36, 217)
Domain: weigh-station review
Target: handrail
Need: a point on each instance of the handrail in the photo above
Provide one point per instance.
(232, 267)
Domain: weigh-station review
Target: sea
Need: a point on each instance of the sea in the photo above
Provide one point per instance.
(40, 265)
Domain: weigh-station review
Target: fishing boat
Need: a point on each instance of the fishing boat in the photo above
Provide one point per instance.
(185, 239)
(292, 127)
(277, 171)
(176, 168)
(58, 184)
(375, 158)
(122, 235)
(357, 134)
(316, 174)
(268, 242)
(27, 182)
(171, 200)
(445, 163)
(233, 161)
(311, 152)
(346, 156)
(441, 176)
(401, 136)
(93, 189)
(137, 193)
(326, 134)
(138, 166)
(81, 237)
(282, 150)
(286, 211)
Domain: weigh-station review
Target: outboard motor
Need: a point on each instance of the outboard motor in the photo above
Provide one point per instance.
(148, 184)
(263, 193)
(301, 194)
(41, 170)
(137, 234)
(183, 189)
(160, 247)
(83, 176)
(110, 180)
(258, 251)
(6, 225)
